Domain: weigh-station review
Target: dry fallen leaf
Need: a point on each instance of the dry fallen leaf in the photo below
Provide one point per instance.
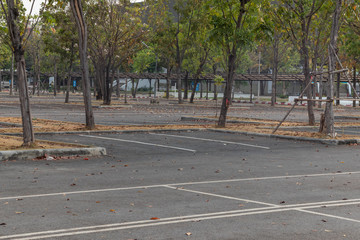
(112, 210)
(98, 202)
(188, 233)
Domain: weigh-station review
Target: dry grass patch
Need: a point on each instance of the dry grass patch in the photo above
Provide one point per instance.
(14, 143)
(259, 129)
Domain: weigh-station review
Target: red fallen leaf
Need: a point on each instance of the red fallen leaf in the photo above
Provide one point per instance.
(86, 158)
(154, 218)
(73, 184)
(112, 210)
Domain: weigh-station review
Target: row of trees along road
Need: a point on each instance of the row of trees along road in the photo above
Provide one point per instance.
(189, 37)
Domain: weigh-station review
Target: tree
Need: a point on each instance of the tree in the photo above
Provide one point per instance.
(233, 28)
(329, 114)
(82, 32)
(296, 18)
(60, 38)
(116, 32)
(18, 33)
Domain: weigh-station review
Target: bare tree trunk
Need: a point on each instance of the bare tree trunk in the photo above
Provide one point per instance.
(354, 83)
(149, 87)
(329, 114)
(228, 89)
(275, 67)
(207, 90)
(310, 106)
(178, 67)
(55, 78)
(215, 87)
(186, 80)
(118, 86)
(12, 75)
(168, 82)
(82, 31)
(321, 83)
(133, 88)
(18, 53)
(107, 92)
(126, 85)
(28, 133)
(67, 96)
(193, 92)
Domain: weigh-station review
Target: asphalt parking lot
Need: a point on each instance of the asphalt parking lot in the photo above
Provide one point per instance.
(184, 185)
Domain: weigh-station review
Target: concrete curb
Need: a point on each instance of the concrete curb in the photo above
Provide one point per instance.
(10, 124)
(110, 131)
(30, 154)
(215, 120)
(317, 140)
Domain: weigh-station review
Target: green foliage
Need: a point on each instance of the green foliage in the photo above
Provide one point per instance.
(218, 80)
(143, 60)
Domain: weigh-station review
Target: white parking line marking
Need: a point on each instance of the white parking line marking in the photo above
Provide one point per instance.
(329, 215)
(142, 143)
(221, 196)
(179, 184)
(211, 140)
(158, 223)
(172, 220)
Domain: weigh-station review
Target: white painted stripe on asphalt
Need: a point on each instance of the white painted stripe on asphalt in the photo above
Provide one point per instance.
(171, 220)
(221, 196)
(143, 225)
(329, 215)
(211, 140)
(264, 178)
(141, 222)
(178, 184)
(142, 143)
(80, 192)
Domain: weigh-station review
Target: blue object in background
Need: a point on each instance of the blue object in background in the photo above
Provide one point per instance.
(197, 86)
(74, 83)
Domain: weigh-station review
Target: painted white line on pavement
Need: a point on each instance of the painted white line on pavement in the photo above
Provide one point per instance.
(80, 192)
(141, 225)
(222, 196)
(178, 184)
(329, 215)
(141, 222)
(264, 178)
(170, 220)
(142, 143)
(211, 140)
